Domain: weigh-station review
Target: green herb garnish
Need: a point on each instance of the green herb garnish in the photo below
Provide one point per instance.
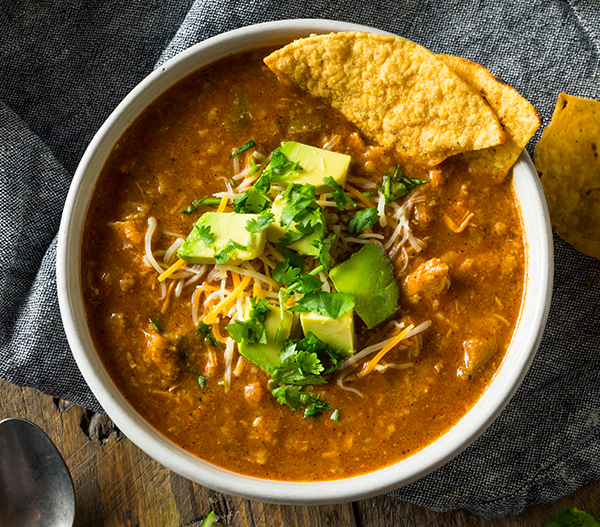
(339, 196)
(206, 236)
(251, 331)
(194, 205)
(362, 220)
(396, 186)
(243, 148)
(157, 325)
(332, 305)
(201, 381)
(260, 223)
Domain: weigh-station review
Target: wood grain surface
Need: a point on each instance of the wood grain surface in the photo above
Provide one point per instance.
(118, 485)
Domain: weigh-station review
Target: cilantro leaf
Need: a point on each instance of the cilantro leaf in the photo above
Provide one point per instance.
(252, 330)
(207, 237)
(298, 204)
(204, 329)
(339, 196)
(260, 223)
(243, 148)
(255, 200)
(396, 186)
(201, 381)
(157, 325)
(363, 219)
(223, 256)
(315, 406)
(194, 205)
(280, 166)
(324, 247)
(286, 274)
(331, 305)
(308, 283)
(573, 517)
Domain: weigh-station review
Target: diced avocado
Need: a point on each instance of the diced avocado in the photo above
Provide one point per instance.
(337, 333)
(227, 228)
(266, 356)
(276, 231)
(316, 164)
(368, 275)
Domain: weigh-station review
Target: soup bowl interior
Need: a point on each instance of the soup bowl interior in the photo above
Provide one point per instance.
(532, 319)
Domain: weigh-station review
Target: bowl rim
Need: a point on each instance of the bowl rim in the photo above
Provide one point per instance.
(534, 313)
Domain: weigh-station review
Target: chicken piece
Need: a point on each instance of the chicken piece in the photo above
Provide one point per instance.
(428, 280)
(163, 354)
(129, 230)
(478, 351)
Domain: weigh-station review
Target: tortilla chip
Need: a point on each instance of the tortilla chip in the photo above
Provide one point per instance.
(518, 117)
(567, 158)
(395, 91)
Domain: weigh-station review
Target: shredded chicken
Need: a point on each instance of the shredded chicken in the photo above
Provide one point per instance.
(428, 280)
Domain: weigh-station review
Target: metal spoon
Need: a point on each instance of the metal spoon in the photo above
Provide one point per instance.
(36, 488)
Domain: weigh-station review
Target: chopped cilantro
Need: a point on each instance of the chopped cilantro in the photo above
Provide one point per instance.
(212, 520)
(339, 196)
(369, 193)
(299, 203)
(223, 256)
(201, 381)
(315, 406)
(285, 273)
(207, 237)
(251, 331)
(331, 305)
(194, 205)
(204, 329)
(255, 200)
(335, 416)
(396, 186)
(588, 283)
(261, 223)
(243, 148)
(157, 325)
(324, 247)
(280, 166)
(363, 219)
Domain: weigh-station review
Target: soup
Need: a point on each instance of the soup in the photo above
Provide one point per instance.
(454, 242)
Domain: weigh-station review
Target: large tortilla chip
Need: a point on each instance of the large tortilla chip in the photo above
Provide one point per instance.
(396, 92)
(568, 160)
(518, 117)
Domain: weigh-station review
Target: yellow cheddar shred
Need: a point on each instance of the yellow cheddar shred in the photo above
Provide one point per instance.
(223, 204)
(211, 317)
(371, 366)
(171, 270)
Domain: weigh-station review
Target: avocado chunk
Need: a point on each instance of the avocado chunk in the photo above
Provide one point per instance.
(337, 333)
(225, 229)
(276, 231)
(369, 276)
(316, 164)
(266, 356)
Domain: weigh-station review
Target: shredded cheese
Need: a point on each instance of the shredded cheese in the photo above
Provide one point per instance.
(366, 201)
(395, 341)
(211, 317)
(223, 204)
(171, 270)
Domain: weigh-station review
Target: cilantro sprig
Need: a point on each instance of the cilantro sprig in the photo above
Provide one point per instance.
(197, 203)
(260, 223)
(362, 220)
(342, 200)
(395, 186)
(243, 148)
(252, 330)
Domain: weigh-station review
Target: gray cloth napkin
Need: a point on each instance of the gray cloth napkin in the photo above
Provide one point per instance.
(65, 64)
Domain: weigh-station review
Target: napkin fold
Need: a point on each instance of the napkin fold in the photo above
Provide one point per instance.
(65, 64)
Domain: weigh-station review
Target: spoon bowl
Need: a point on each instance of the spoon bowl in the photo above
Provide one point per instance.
(36, 488)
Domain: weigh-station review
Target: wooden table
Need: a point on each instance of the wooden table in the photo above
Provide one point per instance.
(118, 485)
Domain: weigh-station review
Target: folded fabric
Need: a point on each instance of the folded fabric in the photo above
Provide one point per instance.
(57, 90)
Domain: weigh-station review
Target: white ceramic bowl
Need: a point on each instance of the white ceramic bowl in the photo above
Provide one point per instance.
(519, 356)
